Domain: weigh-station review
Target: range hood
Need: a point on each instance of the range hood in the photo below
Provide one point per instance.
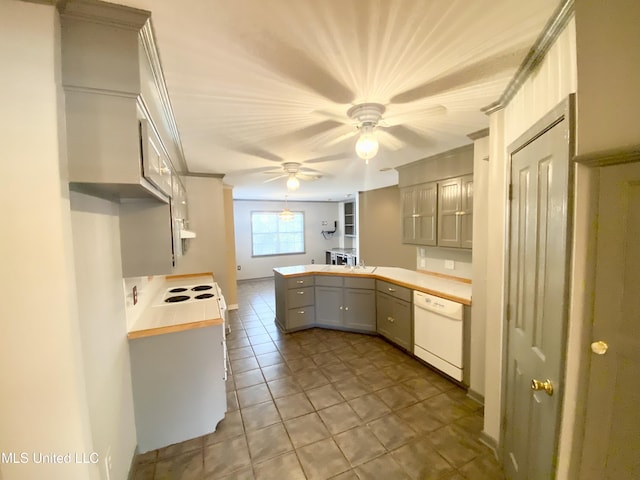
(187, 234)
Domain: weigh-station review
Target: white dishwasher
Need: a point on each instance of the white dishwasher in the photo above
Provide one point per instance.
(438, 332)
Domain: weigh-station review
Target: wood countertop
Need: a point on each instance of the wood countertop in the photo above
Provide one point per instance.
(161, 318)
(451, 289)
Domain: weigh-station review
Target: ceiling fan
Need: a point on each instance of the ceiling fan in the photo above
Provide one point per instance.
(294, 173)
(370, 128)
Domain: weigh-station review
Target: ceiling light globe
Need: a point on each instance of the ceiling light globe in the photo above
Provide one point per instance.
(367, 145)
(293, 183)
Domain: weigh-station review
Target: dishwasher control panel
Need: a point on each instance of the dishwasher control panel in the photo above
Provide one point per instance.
(436, 304)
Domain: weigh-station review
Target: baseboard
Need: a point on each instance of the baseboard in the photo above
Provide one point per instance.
(490, 442)
(475, 396)
(132, 467)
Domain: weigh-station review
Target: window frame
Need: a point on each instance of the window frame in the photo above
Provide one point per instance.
(277, 213)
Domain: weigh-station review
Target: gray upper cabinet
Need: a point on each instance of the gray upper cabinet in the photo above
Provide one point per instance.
(419, 214)
(437, 199)
(349, 219)
(455, 212)
(121, 137)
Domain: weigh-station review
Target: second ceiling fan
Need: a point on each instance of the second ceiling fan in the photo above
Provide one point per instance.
(294, 173)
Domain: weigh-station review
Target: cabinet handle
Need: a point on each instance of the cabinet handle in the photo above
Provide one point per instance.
(340, 307)
(301, 312)
(346, 308)
(391, 319)
(461, 213)
(300, 281)
(300, 292)
(391, 289)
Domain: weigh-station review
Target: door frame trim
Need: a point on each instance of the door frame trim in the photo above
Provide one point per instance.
(565, 110)
(588, 175)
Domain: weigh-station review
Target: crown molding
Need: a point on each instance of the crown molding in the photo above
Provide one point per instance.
(148, 40)
(548, 36)
(105, 13)
(479, 134)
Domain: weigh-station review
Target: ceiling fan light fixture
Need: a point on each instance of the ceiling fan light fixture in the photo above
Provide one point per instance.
(293, 183)
(367, 116)
(367, 144)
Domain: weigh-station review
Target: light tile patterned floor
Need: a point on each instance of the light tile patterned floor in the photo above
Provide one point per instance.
(322, 404)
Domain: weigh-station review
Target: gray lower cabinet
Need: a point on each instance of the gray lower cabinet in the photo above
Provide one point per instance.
(394, 314)
(345, 302)
(295, 302)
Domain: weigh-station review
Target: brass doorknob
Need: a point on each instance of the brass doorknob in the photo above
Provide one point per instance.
(599, 347)
(546, 386)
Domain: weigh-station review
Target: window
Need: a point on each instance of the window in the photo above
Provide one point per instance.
(271, 235)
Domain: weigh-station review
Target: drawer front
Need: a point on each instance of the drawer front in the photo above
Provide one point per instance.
(394, 290)
(300, 297)
(297, 282)
(329, 280)
(353, 282)
(301, 317)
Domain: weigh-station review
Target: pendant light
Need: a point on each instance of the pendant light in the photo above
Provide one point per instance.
(286, 215)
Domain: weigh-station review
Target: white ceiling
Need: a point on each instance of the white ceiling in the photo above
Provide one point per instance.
(255, 83)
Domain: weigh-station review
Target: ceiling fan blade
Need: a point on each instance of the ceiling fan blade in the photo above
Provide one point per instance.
(304, 176)
(340, 139)
(409, 136)
(306, 132)
(295, 64)
(275, 178)
(340, 118)
(410, 117)
(487, 67)
(389, 141)
(326, 158)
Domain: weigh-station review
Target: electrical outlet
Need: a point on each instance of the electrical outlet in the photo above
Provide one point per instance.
(324, 223)
(449, 264)
(313, 261)
(239, 267)
(423, 263)
(135, 294)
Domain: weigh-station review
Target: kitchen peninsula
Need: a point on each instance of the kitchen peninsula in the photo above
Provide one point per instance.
(373, 300)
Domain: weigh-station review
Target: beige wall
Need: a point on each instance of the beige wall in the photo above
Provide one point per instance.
(43, 405)
(231, 289)
(103, 330)
(208, 251)
(608, 59)
(380, 234)
(479, 265)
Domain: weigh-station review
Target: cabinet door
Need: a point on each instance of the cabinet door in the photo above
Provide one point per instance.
(401, 326)
(360, 309)
(409, 214)
(300, 297)
(426, 197)
(302, 317)
(466, 217)
(449, 210)
(329, 306)
(384, 314)
(349, 219)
